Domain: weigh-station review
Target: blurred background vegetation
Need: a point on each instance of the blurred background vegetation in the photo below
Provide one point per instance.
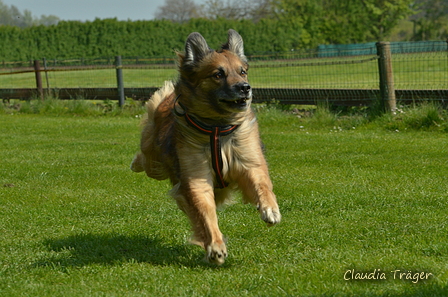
(266, 26)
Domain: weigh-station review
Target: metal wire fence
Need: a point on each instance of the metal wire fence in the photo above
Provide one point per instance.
(346, 73)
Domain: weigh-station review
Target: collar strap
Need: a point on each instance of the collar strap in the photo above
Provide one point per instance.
(215, 133)
(207, 129)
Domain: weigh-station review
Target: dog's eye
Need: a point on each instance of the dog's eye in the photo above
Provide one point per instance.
(218, 75)
(243, 73)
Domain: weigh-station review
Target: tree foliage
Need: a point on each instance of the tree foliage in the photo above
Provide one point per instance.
(110, 37)
(431, 19)
(266, 26)
(11, 16)
(179, 11)
(342, 21)
(254, 10)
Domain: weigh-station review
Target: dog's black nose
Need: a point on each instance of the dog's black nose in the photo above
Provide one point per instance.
(244, 88)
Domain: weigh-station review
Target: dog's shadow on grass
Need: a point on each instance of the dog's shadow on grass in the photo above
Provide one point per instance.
(113, 249)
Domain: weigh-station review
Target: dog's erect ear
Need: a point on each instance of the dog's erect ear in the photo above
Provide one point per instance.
(235, 44)
(195, 48)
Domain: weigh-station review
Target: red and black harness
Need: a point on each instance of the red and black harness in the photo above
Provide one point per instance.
(215, 133)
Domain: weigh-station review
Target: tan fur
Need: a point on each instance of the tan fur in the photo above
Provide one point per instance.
(171, 148)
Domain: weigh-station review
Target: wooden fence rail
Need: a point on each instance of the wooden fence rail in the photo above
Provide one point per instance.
(385, 93)
(337, 97)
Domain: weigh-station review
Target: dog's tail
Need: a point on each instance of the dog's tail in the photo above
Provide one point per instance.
(139, 162)
(156, 99)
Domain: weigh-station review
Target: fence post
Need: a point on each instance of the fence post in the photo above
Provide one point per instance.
(120, 83)
(387, 88)
(40, 90)
(46, 77)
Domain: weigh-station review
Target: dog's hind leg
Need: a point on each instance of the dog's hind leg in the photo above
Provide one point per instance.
(197, 200)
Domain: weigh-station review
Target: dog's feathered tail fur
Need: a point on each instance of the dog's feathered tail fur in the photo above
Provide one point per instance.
(140, 160)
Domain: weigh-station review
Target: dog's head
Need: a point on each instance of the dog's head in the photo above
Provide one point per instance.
(214, 83)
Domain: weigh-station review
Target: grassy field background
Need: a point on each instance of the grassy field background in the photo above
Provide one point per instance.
(411, 71)
(75, 221)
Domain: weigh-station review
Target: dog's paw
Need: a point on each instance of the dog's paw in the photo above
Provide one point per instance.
(216, 253)
(136, 164)
(270, 216)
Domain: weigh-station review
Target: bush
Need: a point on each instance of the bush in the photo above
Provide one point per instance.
(111, 37)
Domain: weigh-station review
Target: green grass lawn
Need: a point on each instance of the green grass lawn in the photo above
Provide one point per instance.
(75, 221)
(411, 71)
(93, 78)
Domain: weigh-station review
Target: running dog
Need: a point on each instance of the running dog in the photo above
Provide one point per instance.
(201, 133)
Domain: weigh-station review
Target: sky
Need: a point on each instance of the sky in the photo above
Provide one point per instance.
(88, 10)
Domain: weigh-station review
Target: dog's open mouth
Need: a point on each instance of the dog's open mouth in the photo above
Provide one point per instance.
(239, 103)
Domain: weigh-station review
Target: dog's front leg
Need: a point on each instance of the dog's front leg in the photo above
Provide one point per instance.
(257, 189)
(196, 198)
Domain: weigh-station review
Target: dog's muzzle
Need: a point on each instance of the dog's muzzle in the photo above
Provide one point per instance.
(242, 92)
(245, 90)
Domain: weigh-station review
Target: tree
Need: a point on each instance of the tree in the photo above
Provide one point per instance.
(11, 16)
(179, 11)
(304, 14)
(344, 21)
(48, 20)
(6, 15)
(384, 15)
(430, 21)
(254, 10)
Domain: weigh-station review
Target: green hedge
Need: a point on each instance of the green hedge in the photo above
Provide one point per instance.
(110, 37)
